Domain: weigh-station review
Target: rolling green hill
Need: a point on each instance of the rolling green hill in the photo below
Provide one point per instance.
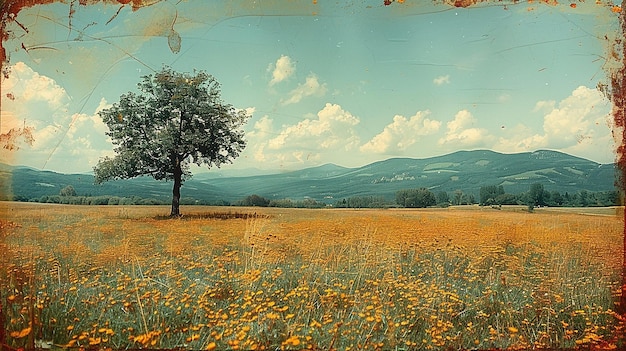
(462, 170)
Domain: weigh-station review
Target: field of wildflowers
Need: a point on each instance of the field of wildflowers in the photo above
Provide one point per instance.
(255, 279)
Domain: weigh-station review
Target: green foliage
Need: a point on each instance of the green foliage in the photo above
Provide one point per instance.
(283, 203)
(536, 194)
(309, 203)
(489, 194)
(363, 202)
(506, 199)
(443, 199)
(419, 198)
(288, 203)
(555, 199)
(458, 197)
(176, 119)
(68, 191)
(255, 200)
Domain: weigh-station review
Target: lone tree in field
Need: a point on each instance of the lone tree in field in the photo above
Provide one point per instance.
(177, 118)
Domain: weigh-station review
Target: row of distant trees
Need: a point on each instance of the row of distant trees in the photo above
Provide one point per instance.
(410, 198)
(69, 196)
(537, 195)
(491, 195)
(260, 201)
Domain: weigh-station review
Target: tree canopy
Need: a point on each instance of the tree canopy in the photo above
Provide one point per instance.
(176, 119)
(421, 197)
(67, 191)
(489, 194)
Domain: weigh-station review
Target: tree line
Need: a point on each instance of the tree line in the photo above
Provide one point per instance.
(68, 196)
(537, 195)
(491, 195)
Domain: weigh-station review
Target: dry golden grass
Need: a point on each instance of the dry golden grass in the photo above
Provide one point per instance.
(262, 278)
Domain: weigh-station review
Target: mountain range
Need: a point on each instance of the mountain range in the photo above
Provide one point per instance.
(462, 170)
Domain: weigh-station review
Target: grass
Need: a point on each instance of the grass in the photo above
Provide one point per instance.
(293, 278)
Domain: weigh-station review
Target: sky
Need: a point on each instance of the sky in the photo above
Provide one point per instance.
(348, 83)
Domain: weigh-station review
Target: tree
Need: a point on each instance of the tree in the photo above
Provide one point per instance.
(67, 191)
(536, 194)
(506, 199)
(443, 199)
(255, 200)
(471, 199)
(421, 197)
(556, 198)
(489, 194)
(583, 196)
(176, 119)
(458, 196)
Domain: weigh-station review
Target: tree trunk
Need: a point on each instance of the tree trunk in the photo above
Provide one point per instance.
(178, 174)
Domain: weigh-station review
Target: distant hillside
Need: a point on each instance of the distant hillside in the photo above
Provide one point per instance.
(464, 170)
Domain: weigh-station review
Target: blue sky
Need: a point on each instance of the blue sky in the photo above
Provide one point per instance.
(347, 83)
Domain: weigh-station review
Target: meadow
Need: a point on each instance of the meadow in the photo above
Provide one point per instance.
(264, 278)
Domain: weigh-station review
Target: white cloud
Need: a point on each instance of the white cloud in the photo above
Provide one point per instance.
(9, 121)
(544, 106)
(102, 105)
(401, 133)
(283, 69)
(334, 112)
(26, 86)
(520, 139)
(310, 87)
(461, 133)
(574, 117)
(441, 80)
(578, 124)
(504, 97)
(262, 129)
(84, 125)
(332, 128)
(81, 142)
(259, 153)
(463, 119)
(62, 142)
(323, 136)
(34, 100)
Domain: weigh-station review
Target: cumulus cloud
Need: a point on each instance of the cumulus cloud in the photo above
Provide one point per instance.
(330, 131)
(578, 124)
(574, 118)
(82, 140)
(520, 139)
(310, 87)
(544, 106)
(282, 69)
(441, 80)
(462, 133)
(401, 133)
(84, 125)
(71, 142)
(33, 100)
(8, 121)
(262, 129)
(27, 86)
